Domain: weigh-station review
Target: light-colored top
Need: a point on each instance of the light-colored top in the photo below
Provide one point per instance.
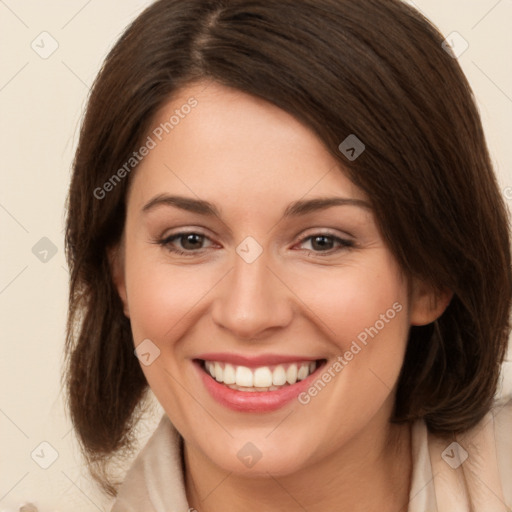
(471, 474)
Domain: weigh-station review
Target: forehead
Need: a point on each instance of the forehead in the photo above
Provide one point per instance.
(222, 144)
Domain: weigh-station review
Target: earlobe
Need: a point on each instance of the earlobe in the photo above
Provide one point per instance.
(116, 263)
(427, 303)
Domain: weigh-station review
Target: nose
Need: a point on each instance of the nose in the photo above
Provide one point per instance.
(252, 302)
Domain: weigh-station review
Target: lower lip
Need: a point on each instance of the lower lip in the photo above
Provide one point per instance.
(254, 401)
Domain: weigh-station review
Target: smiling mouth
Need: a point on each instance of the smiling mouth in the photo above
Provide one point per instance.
(261, 378)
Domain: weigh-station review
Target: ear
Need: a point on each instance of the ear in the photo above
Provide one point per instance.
(116, 262)
(427, 303)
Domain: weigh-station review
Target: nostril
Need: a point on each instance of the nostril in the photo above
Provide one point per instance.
(28, 507)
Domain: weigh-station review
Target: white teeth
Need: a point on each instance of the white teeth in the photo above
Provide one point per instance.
(218, 372)
(263, 378)
(291, 374)
(253, 389)
(229, 374)
(244, 377)
(279, 376)
(301, 374)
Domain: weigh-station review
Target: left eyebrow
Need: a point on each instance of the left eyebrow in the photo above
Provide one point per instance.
(311, 205)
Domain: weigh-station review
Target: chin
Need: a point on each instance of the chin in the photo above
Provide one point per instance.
(259, 457)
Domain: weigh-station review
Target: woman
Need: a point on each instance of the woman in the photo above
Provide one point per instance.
(287, 209)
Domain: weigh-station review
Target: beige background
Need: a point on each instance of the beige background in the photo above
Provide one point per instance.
(41, 101)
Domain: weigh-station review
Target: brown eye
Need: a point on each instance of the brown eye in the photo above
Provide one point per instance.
(322, 243)
(325, 243)
(186, 243)
(191, 241)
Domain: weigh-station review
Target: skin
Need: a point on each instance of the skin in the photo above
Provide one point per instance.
(251, 160)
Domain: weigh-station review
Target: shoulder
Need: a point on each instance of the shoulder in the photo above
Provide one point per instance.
(476, 466)
(155, 482)
(470, 471)
(502, 414)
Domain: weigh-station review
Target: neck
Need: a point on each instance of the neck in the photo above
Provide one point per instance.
(372, 472)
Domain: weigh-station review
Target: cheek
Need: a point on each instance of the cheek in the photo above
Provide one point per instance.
(164, 303)
(161, 296)
(367, 312)
(362, 310)
(353, 301)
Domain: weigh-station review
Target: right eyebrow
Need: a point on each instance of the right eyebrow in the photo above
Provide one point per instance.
(185, 203)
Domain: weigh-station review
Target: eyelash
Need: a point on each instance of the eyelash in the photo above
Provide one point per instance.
(342, 243)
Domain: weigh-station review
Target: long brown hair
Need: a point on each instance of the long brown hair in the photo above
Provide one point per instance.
(365, 67)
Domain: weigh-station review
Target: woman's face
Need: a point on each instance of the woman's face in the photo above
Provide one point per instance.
(249, 253)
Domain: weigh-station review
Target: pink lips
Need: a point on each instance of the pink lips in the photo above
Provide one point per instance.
(259, 401)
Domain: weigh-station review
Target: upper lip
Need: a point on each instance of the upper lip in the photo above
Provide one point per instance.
(255, 360)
